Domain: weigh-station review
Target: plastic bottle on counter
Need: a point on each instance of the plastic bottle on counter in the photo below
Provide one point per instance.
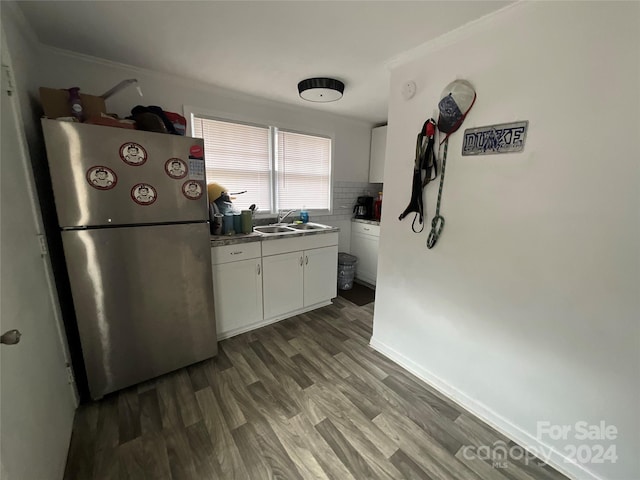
(237, 222)
(228, 224)
(304, 215)
(377, 207)
(76, 103)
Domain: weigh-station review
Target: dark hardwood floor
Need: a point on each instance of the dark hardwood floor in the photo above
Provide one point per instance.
(304, 398)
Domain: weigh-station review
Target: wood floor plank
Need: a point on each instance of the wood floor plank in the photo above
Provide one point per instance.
(224, 447)
(481, 435)
(281, 365)
(154, 457)
(132, 460)
(424, 450)
(239, 362)
(319, 357)
(226, 400)
(347, 454)
(304, 398)
(204, 459)
(365, 404)
(83, 443)
(179, 454)
(292, 438)
(150, 417)
(440, 428)
(483, 469)
(246, 438)
(312, 371)
(271, 335)
(106, 465)
(345, 416)
(167, 402)
(277, 457)
(187, 404)
(420, 391)
(410, 469)
(197, 375)
(261, 396)
(128, 415)
(322, 452)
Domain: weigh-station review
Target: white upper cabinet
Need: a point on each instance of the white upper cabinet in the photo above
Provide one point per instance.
(378, 149)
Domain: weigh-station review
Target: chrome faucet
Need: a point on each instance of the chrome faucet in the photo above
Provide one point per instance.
(281, 217)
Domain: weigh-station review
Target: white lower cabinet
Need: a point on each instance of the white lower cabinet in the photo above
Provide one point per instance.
(300, 279)
(283, 283)
(320, 275)
(237, 289)
(365, 241)
(258, 283)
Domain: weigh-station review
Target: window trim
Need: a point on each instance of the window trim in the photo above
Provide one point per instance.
(190, 112)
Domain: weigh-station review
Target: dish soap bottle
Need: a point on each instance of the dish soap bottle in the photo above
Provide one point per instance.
(377, 207)
(304, 215)
(76, 103)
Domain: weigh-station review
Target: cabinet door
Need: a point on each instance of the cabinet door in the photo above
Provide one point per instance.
(378, 151)
(320, 275)
(237, 291)
(282, 283)
(365, 247)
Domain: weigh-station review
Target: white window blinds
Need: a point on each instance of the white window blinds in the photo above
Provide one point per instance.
(278, 168)
(237, 157)
(303, 171)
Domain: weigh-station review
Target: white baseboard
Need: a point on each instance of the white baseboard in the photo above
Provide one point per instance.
(269, 321)
(507, 428)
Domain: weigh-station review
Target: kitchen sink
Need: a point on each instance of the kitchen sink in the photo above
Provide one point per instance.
(273, 229)
(307, 226)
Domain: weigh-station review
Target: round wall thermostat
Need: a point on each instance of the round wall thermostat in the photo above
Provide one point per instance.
(408, 90)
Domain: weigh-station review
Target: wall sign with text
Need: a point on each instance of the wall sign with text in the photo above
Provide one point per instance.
(501, 138)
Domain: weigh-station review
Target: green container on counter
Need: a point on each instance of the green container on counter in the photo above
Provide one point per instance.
(247, 221)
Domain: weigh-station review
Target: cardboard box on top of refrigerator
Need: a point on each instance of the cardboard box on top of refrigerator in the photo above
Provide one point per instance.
(55, 103)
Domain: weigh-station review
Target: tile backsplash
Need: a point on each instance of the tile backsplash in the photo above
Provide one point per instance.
(345, 195)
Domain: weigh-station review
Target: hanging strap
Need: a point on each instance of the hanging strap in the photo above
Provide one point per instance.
(437, 224)
(424, 160)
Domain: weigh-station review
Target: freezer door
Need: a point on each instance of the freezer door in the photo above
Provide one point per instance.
(113, 176)
(144, 301)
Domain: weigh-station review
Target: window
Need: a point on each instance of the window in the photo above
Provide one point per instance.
(279, 169)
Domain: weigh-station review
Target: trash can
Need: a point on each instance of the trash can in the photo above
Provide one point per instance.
(346, 270)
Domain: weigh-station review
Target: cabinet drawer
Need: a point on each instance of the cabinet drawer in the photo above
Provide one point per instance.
(233, 253)
(365, 228)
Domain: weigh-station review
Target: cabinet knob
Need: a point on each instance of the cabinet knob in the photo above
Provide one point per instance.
(258, 269)
(306, 260)
(236, 253)
(301, 261)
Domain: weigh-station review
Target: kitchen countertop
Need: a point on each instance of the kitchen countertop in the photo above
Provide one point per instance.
(220, 240)
(368, 222)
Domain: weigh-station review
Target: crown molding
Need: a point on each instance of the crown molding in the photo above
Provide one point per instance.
(10, 9)
(459, 34)
(210, 88)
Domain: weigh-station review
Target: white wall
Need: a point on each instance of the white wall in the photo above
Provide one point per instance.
(63, 69)
(38, 404)
(95, 76)
(528, 308)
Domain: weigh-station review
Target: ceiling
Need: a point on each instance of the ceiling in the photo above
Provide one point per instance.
(263, 48)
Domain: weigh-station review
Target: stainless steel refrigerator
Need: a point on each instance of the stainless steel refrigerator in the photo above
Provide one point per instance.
(132, 207)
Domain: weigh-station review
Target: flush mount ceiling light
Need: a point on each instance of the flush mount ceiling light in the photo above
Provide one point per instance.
(321, 89)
